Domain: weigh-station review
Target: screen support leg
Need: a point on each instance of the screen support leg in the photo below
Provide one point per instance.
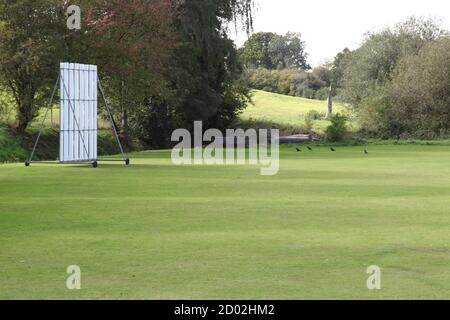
(111, 119)
(50, 106)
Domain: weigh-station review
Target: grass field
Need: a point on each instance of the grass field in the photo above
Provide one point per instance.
(156, 231)
(287, 110)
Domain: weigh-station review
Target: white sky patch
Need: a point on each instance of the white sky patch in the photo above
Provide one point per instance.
(329, 26)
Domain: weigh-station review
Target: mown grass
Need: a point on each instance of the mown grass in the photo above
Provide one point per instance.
(158, 231)
(286, 110)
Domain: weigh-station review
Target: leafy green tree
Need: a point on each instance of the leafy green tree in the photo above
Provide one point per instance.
(30, 51)
(288, 52)
(338, 67)
(272, 51)
(373, 63)
(417, 100)
(255, 52)
(134, 61)
(206, 72)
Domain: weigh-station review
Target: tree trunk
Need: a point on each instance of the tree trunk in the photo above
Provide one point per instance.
(25, 111)
(330, 103)
(125, 131)
(125, 128)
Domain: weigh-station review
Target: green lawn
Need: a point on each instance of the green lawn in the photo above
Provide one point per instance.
(157, 231)
(287, 110)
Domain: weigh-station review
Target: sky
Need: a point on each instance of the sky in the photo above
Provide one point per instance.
(329, 26)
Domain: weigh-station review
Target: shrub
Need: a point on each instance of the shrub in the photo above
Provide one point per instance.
(323, 93)
(309, 126)
(11, 149)
(314, 115)
(337, 131)
(153, 124)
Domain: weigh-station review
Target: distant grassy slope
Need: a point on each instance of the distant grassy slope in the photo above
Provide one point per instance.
(286, 110)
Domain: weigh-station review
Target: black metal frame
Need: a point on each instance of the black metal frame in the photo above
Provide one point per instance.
(94, 163)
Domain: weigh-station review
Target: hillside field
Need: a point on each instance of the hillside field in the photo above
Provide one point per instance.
(287, 110)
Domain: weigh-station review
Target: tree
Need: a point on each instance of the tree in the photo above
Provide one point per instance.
(338, 67)
(206, 72)
(395, 80)
(133, 42)
(170, 51)
(255, 52)
(288, 52)
(371, 65)
(417, 100)
(30, 51)
(272, 51)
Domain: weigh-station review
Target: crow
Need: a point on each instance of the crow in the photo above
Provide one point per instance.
(365, 151)
(309, 148)
(332, 149)
(298, 150)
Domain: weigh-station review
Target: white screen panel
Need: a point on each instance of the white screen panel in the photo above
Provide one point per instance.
(78, 119)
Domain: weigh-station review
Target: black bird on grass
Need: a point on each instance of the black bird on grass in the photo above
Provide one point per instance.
(298, 150)
(365, 151)
(332, 149)
(309, 148)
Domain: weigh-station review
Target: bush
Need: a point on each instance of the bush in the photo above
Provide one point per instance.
(415, 102)
(153, 124)
(309, 126)
(322, 94)
(308, 93)
(10, 149)
(315, 115)
(337, 131)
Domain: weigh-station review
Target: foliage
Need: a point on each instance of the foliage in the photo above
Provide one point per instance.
(397, 81)
(309, 126)
(372, 65)
(293, 82)
(338, 130)
(205, 74)
(154, 124)
(30, 50)
(255, 52)
(6, 103)
(315, 115)
(420, 91)
(339, 66)
(133, 42)
(177, 52)
(273, 51)
(417, 101)
(10, 149)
